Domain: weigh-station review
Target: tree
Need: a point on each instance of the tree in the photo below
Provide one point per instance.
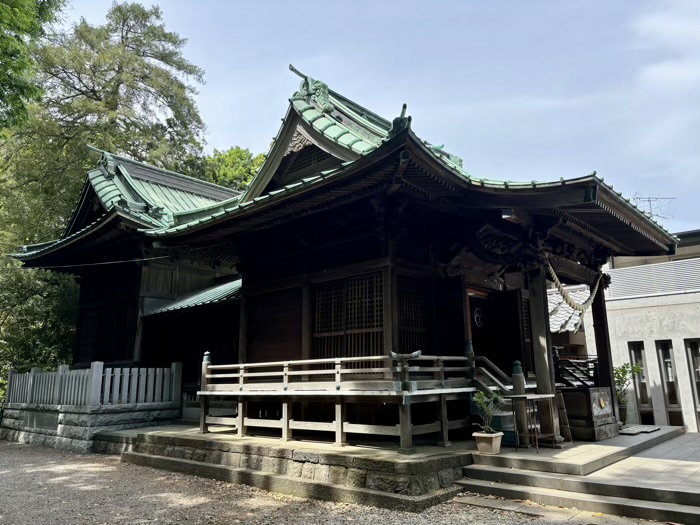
(123, 86)
(21, 21)
(126, 82)
(234, 167)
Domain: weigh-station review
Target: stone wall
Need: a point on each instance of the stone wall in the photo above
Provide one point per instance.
(406, 477)
(73, 427)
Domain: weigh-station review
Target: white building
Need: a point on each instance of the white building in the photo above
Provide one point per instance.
(653, 307)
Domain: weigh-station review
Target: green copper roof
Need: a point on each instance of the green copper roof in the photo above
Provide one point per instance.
(215, 294)
(146, 195)
(32, 250)
(166, 203)
(151, 194)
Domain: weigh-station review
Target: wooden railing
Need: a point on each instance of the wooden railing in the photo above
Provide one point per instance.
(95, 386)
(399, 378)
(357, 375)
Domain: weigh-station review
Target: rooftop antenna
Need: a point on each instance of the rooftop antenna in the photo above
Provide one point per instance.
(655, 207)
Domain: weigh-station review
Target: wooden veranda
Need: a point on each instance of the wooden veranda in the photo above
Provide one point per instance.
(400, 380)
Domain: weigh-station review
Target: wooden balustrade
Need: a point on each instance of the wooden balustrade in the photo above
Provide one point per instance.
(400, 379)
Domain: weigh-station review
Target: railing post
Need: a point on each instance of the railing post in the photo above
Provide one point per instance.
(32, 383)
(175, 381)
(285, 403)
(242, 403)
(338, 373)
(405, 424)
(95, 383)
(10, 385)
(469, 354)
(442, 408)
(58, 385)
(204, 399)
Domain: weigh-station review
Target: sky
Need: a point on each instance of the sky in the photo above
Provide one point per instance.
(521, 90)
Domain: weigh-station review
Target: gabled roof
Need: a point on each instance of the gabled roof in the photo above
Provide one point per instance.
(352, 138)
(342, 128)
(32, 251)
(152, 194)
(585, 204)
(145, 195)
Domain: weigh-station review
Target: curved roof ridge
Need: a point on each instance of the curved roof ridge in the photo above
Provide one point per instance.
(165, 171)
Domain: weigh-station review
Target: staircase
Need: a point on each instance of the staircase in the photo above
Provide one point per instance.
(562, 490)
(570, 481)
(577, 372)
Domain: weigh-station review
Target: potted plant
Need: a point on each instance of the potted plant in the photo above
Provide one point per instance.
(487, 404)
(623, 375)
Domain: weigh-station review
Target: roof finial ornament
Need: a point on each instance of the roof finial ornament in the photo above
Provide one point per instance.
(400, 123)
(313, 90)
(107, 164)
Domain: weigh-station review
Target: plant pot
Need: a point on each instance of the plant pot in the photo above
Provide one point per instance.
(623, 413)
(488, 443)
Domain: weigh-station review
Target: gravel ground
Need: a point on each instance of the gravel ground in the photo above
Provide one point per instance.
(41, 486)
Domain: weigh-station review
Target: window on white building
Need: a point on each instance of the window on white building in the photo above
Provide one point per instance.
(669, 382)
(641, 387)
(693, 348)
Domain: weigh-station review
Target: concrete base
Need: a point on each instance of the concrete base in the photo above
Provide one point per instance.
(295, 486)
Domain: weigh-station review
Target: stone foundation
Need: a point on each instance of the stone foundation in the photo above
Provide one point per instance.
(73, 427)
(404, 477)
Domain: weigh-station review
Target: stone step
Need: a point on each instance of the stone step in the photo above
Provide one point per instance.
(634, 508)
(615, 450)
(580, 484)
(294, 486)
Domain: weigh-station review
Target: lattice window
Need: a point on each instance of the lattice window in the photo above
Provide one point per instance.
(308, 156)
(348, 317)
(413, 314)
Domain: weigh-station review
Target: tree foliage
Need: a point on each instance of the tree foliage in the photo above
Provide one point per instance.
(234, 168)
(123, 86)
(21, 21)
(126, 82)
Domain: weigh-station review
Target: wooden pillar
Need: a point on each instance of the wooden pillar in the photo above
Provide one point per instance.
(286, 432)
(444, 423)
(340, 436)
(305, 322)
(204, 399)
(541, 336)
(542, 347)
(405, 427)
(390, 314)
(243, 331)
(603, 348)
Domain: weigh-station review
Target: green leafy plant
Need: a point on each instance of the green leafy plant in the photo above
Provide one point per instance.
(623, 376)
(487, 404)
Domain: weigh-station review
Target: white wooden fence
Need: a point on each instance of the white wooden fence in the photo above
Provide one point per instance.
(96, 386)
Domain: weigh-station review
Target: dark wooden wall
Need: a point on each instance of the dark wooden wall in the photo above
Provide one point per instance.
(108, 316)
(184, 335)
